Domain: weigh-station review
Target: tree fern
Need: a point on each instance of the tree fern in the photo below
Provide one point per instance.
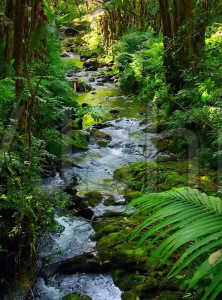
(184, 216)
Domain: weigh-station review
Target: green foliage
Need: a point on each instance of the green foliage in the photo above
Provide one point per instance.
(37, 37)
(7, 96)
(66, 19)
(184, 216)
(25, 207)
(2, 62)
(139, 61)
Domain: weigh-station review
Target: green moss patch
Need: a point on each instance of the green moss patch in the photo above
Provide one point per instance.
(76, 296)
(166, 175)
(93, 198)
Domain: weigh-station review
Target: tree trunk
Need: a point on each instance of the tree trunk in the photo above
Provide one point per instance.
(10, 13)
(184, 36)
(19, 43)
(19, 56)
(171, 69)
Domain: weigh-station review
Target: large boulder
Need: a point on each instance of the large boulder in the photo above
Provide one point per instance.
(129, 296)
(86, 213)
(121, 254)
(92, 68)
(81, 86)
(92, 198)
(91, 63)
(110, 201)
(101, 138)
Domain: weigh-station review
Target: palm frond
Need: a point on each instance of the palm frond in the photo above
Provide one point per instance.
(182, 216)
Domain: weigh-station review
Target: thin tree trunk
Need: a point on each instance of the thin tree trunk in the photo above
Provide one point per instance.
(10, 13)
(19, 56)
(19, 43)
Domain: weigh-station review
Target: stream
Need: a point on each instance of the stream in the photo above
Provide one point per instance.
(130, 143)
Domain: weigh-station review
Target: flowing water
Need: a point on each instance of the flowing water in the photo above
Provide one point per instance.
(130, 143)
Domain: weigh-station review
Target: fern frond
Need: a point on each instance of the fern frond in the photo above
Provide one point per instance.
(183, 216)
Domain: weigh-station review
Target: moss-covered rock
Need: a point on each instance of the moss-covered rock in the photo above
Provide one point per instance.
(113, 214)
(81, 86)
(79, 140)
(93, 198)
(65, 162)
(169, 295)
(100, 136)
(91, 63)
(83, 264)
(122, 252)
(129, 296)
(102, 143)
(135, 282)
(104, 229)
(76, 296)
(160, 143)
(165, 175)
(110, 201)
(147, 285)
(132, 195)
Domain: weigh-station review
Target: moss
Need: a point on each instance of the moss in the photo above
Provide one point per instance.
(102, 143)
(59, 149)
(104, 230)
(93, 198)
(122, 252)
(101, 138)
(118, 222)
(100, 134)
(110, 201)
(169, 295)
(135, 283)
(156, 177)
(130, 196)
(65, 162)
(139, 283)
(160, 144)
(76, 296)
(113, 214)
(147, 284)
(129, 296)
(73, 63)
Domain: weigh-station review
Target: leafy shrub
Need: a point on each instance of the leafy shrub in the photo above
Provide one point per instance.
(139, 60)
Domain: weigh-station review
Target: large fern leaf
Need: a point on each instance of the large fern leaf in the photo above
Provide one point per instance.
(183, 216)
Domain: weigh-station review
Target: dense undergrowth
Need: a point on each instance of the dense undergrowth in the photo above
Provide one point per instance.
(190, 122)
(25, 207)
(140, 64)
